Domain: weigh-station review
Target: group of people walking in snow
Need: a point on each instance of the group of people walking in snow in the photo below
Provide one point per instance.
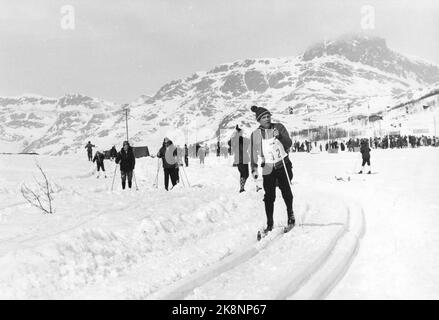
(270, 142)
(125, 158)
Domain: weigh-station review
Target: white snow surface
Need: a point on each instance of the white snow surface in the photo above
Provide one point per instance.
(373, 237)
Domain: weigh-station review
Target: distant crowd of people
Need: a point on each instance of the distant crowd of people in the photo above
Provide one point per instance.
(397, 141)
(390, 141)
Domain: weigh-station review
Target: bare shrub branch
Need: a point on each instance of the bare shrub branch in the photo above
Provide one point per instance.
(40, 198)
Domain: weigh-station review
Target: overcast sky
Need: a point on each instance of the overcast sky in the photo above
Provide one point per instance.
(121, 49)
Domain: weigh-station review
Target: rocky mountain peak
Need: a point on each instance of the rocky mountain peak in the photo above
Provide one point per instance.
(373, 51)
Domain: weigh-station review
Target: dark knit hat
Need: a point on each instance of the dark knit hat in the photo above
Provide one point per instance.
(259, 111)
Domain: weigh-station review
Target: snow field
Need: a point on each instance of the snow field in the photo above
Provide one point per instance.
(200, 242)
(98, 238)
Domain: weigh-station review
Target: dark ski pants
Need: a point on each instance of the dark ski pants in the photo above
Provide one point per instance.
(278, 175)
(186, 161)
(366, 160)
(170, 173)
(177, 174)
(243, 170)
(100, 166)
(243, 175)
(89, 154)
(124, 175)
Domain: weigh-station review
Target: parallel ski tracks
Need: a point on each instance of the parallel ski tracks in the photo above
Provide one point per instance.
(185, 287)
(315, 282)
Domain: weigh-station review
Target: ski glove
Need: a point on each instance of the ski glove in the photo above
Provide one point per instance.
(262, 162)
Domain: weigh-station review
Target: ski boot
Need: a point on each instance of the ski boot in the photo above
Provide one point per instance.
(264, 232)
(360, 172)
(369, 172)
(268, 229)
(291, 223)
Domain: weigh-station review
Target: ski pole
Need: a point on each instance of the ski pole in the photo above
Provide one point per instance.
(289, 182)
(184, 171)
(114, 176)
(181, 177)
(286, 172)
(135, 181)
(156, 180)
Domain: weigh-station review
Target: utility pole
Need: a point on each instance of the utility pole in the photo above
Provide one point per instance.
(126, 118)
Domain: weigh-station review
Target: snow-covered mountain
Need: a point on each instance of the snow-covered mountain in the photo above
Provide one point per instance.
(53, 125)
(326, 85)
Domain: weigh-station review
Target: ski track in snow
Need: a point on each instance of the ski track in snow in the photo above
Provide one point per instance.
(230, 262)
(327, 263)
(79, 240)
(200, 242)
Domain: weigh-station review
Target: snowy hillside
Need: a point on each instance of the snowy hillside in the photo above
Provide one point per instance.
(54, 125)
(328, 84)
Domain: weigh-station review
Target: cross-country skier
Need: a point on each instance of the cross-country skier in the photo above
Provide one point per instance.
(99, 158)
(218, 149)
(201, 154)
(240, 149)
(365, 154)
(113, 152)
(127, 163)
(271, 142)
(168, 154)
(89, 148)
(186, 155)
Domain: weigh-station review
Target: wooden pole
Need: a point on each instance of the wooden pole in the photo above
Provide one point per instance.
(126, 120)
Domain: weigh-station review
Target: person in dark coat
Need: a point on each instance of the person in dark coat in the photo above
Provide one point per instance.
(99, 158)
(113, 152)
(272, 142)
(127, 163)
(365, 154)
(342, 147)
(168, 154)
(240, 149)
(89, 148)
(186, 155)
